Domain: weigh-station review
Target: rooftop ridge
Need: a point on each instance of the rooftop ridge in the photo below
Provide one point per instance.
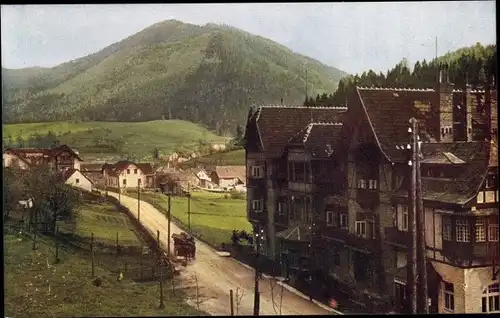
(326, 123)
(308, 132)
(305, 107)
(399, 89)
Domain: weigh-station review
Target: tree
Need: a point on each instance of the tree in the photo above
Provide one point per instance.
(20, 141)
(239, 132)
(13, 191)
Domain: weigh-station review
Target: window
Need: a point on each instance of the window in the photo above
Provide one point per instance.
(372, 184)
(257, 172)
(343, 221)
(124, 181)
(449, 298)
(135, 171)
(463, 232)
(491, 181)
(446, 228)
(281, 208)
(480, 197)
(370, 229)
(361, 228)
(491, 299)
(480, 231)
(493, 232)
(405, 218)
(361, 183)
(257, 205)
(329, 218)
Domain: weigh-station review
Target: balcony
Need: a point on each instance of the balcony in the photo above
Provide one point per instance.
(352, 240)
(256, 182)
(396, 237)
(484, 252)
(367, 197)
(300, 187)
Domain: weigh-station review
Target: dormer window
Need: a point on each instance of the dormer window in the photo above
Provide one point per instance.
(491, 181)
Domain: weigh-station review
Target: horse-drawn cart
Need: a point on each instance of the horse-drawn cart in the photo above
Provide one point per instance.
(184, 245)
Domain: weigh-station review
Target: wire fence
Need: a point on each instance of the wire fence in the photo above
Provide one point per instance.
(140, 262)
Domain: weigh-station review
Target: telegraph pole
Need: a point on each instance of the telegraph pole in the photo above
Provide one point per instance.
(168, 228)
(412, 251)
(189, 207)
(422, 260)
(256, 299)
(138, 200)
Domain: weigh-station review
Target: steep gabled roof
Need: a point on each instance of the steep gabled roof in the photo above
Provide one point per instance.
(91, 166)
(230, 172)
(301, 233)
(147, 168)
(61, 148)
(465, 186)
(321, 140)
(389, 111)
(277, 124)
(68, 173)
(443, 158)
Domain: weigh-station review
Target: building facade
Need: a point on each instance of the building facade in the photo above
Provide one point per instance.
(329, 190)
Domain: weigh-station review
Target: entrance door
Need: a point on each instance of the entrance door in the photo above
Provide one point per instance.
(400, 297)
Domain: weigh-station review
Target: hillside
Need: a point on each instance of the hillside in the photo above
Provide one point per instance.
(205, 74)
(114, 139)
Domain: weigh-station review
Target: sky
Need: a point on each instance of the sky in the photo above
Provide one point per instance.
(353, 37)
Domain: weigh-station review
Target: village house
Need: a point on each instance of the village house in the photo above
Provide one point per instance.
(228, 176)
(127, 174)
(94, 172)
(77, 179)
(329, 189)
(60, 158)
(179, 182)
(204, 180)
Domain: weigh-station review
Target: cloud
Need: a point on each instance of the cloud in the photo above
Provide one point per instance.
(351, 36)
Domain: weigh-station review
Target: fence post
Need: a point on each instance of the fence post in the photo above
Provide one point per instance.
(231, 301)
(160, 263)
(57, 245)
(142, 255)
(117, 243)
(92, 252)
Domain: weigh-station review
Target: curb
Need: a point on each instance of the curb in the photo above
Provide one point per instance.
(295, 291)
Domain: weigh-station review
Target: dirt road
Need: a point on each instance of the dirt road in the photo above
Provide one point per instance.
(216, 275)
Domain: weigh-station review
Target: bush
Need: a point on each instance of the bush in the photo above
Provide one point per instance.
(237, 195)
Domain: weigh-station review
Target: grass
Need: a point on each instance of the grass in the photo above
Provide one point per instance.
(230, 158)
(35, 286)
(213, 215)
(105, 222)
(136, 140)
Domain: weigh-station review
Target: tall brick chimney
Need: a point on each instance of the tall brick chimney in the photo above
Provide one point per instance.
(468, 110)
(443, 107)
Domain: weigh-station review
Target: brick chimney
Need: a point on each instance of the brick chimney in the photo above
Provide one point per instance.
(491, 109)
(443, 107)
(468, 110)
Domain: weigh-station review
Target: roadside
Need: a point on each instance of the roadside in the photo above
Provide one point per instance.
(216, 275)
(37, 285)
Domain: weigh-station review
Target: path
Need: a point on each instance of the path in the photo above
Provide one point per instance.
(217, 275)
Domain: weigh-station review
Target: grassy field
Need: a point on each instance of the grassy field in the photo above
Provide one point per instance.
(35, 286)
(104, 222)
(213, 217)
(113, 138)
(230, 158)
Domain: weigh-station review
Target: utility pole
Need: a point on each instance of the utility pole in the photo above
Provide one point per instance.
(412, 250)
(422, 257)
(256, 299)
(119, 192)
(168, 228)
(138, 200)
(189, 207)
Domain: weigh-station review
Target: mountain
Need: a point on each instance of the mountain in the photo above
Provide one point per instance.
(207, 74)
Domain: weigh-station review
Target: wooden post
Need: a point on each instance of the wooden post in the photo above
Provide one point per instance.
(57, 246)
(142, 257)
(35, 228)
(231, 301)
(422, 257)
(189, 207)
(168, 228)
(138, 200)
(117, 246)
(256, 300)
(160, 277)
(92, 252)
(413, 219)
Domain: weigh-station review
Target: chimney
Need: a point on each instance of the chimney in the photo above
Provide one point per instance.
(443, 107)
(468, 109)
